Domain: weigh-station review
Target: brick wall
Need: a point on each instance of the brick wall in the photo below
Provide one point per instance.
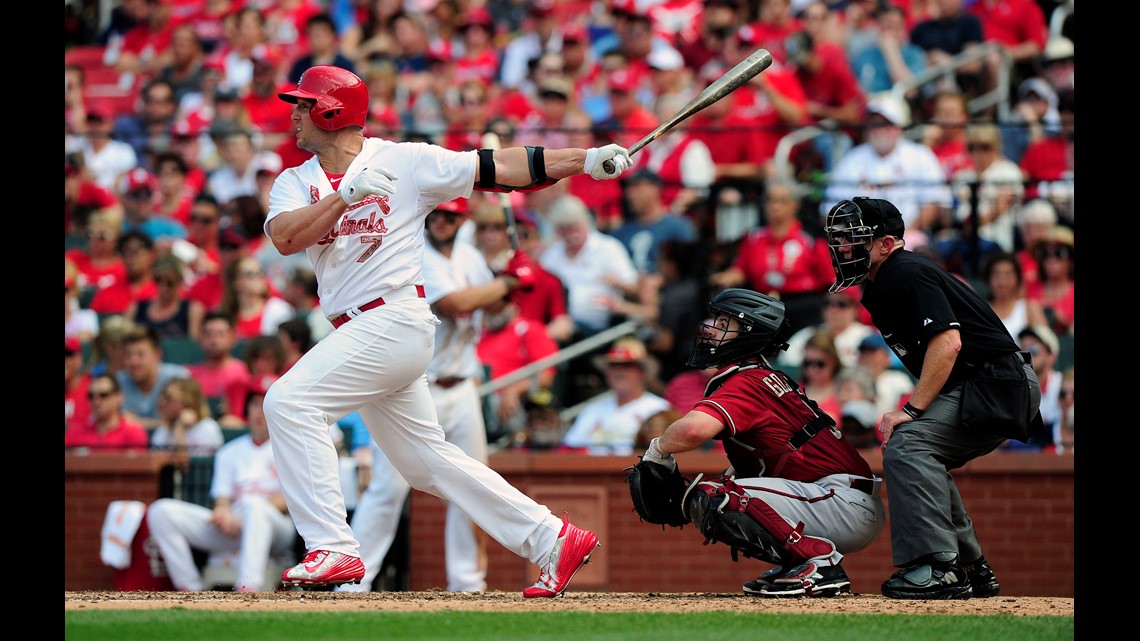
(1021, 504)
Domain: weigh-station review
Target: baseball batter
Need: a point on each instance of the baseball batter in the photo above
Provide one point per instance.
(797, 494)
(459, 285)
(358, 208)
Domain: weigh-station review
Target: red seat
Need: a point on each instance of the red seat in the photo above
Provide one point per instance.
(86, 56)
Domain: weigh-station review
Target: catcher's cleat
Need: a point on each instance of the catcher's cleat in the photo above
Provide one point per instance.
(982, 578)
(754, 586)
(323, 568)
(935, 576)
(571, 551)
(813, 579)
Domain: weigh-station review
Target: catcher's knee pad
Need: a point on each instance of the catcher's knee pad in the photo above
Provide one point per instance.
(710, 506)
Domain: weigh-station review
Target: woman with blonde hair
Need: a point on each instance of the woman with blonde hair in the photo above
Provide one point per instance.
(187, 425)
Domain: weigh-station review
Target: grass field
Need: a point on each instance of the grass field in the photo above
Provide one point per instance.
(176, 624)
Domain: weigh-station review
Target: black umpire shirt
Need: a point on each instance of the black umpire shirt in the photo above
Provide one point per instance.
(912, 299)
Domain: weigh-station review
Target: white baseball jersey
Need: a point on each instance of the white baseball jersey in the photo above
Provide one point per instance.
(242, 468)
(377, 246)
(584, 276)
(910, 176)
(455, 338)
(604, 427)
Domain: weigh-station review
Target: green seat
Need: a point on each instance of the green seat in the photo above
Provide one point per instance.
(181, 351)
(230, 433)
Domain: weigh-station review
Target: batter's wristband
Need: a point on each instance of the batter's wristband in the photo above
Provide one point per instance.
(912, 411)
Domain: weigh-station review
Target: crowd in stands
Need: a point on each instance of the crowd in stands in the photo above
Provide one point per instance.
(176, 307)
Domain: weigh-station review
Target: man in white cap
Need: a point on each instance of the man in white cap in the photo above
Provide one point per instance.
(889, 166)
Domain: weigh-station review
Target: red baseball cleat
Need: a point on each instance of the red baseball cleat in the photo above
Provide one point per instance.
(322, 567)
(571, 551)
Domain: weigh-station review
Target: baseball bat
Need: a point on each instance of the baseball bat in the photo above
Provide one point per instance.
(746, 70)
(491, 141)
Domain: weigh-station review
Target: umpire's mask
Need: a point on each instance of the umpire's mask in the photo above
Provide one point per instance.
(851, 226)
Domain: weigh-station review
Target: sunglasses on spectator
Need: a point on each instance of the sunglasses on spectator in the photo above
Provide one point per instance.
(448, 216)
(250, 273)
(100, 235)
(979, 146)
(490, 227)
(170, 282)
(1056, 251)
(839, 303)
(92, 395)
(1065, 393)
(205, 220)
(815, 364)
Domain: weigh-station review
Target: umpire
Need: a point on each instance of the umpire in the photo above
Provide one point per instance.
(974, 390)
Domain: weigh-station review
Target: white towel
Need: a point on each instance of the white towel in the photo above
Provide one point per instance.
(119, 528)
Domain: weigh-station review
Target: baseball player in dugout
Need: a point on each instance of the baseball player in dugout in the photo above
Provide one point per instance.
(459, 286)
(358, 208)
(797, 494)
(974, 390)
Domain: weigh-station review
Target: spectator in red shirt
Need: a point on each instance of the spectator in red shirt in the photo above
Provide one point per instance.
(782, 259)
(1048, 164)
(1019, 27)
(628, 120)
(138, 252)
(832, 91)
(604, 197)
(480, 59)
(174, 194)
(468, 120)
(100, 264)
(76, 405)
(222, 376)
(774, 24)
(510, 342)
(268, 113)
(106, 429)
(82, 197)
(146, 47)
(946, 132)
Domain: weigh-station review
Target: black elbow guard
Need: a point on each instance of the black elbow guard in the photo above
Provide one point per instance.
(536, 162)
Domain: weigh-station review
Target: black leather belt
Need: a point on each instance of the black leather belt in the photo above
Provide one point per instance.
(449, 382)
(866, 486)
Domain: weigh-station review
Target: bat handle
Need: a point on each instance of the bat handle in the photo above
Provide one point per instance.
(608, 165)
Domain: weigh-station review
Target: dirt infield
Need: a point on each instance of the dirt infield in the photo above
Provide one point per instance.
(572, 601)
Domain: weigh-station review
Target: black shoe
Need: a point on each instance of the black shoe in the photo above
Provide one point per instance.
(809, 579)
(982, 578)
(935, 576)
(754, 586)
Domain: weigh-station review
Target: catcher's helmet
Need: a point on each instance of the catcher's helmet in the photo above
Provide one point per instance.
(763, 331)
(341, 97)
(850, 226)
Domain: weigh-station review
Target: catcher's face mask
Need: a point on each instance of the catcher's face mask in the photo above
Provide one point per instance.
(849, 238)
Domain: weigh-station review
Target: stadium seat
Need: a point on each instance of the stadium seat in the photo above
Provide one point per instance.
(85, 56)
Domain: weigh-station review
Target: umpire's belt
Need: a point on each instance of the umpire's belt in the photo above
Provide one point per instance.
(865, 485)
(403, 293)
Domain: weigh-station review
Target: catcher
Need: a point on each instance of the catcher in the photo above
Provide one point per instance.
(797, 494)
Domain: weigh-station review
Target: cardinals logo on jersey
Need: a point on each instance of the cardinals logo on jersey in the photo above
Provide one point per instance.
(314, 195)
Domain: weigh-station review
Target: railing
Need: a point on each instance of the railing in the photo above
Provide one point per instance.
(561, 356)
(998, 96)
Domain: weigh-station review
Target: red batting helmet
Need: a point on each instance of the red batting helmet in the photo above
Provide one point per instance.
(341, 96)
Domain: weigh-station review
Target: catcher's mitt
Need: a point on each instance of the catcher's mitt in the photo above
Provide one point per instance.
(656, 492)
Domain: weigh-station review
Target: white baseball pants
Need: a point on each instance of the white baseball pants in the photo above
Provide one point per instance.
(376, 364)
(178, 527)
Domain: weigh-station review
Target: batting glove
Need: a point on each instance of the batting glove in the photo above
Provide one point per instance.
(521, 269)
(377, 181)
(655, 455)
(597, 156)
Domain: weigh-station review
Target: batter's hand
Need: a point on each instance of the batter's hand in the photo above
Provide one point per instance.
(596, 157)
(521, 269)
(378, 181)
